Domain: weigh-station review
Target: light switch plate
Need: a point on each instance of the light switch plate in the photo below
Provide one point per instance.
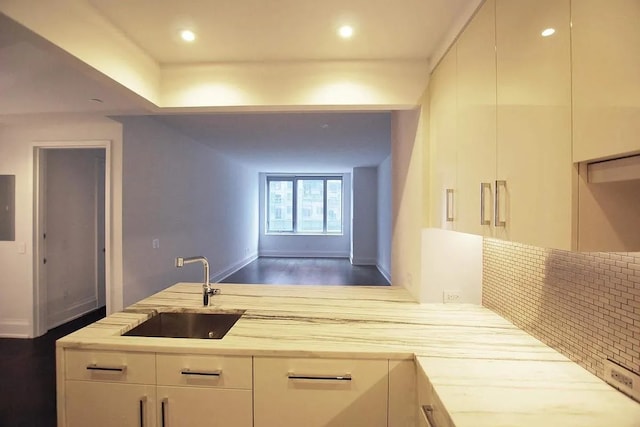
(155, 243)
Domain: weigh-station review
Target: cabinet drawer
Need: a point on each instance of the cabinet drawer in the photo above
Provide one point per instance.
(204, 371)
(320, 392)
(111, 366)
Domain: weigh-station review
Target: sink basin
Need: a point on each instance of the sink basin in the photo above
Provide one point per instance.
(186, 325)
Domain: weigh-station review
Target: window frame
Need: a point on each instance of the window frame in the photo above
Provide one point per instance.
(294, 205)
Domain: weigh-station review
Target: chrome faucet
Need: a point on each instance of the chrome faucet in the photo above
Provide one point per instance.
(207, 290)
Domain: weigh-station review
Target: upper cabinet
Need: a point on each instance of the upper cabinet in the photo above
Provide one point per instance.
(531, 92)
(511, 126)
(476, 117)
(443, 129)
(606, 121)
(606, 78)
(534, 169)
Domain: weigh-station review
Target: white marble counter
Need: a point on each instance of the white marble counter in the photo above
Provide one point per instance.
(486, 371)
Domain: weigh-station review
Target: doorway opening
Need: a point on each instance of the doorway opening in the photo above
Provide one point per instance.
(72, 267)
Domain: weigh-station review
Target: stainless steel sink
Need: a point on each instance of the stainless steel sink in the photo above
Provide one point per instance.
(186, 325)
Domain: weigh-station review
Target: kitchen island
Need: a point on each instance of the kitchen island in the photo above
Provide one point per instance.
(478, 369)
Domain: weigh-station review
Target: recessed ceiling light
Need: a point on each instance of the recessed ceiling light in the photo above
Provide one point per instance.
(346, 31)
(548, 32)
(187, 35)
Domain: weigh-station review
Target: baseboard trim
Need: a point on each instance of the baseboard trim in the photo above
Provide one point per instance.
(233, 268)
(363, 261)
(15, 328)
(73, 312)
(303, 254)
(384, 272)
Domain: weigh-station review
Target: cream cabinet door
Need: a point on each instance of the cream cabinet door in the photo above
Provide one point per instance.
(476, 107)
(320, 392)
(534, 123)
(443, 134)
(204, 406)
(606, 78)
(102, 404)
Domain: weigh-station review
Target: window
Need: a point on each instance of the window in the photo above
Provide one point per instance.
(308, 204)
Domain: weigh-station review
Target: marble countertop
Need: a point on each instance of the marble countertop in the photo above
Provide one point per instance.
(481, 366)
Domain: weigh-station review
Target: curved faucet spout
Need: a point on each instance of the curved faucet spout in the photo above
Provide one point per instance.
(206, 286)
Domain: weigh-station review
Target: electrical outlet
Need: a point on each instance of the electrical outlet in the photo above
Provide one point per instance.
(451, 296)
(155, 243)
(623, 379)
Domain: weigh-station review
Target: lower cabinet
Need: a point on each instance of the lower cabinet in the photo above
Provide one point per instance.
(103, 404)
(137, 389)
(320, 392)
(431, 411)
(103, 388)
(203, 390)
(201, 406)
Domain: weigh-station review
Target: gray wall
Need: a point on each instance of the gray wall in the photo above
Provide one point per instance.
(306, 246)
(384, 218)
(364, 228)
(188, 196)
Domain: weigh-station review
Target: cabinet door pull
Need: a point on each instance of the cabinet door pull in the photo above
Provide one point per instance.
(344, 377)
(499, 222)
(163, 411)
(143, 401)
(484, 187)
(449, 202)
(95, 367)
(427, 411)
(216, 373)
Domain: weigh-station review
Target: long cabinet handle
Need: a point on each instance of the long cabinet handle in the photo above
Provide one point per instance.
(96, 367)
(484, 187)
(427, 411)
(163, 411)
(143, 402)
(499, 222)
(449, 202)
(215, 373)
(344, 377)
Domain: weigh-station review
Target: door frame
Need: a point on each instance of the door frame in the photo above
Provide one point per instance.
(39, 183)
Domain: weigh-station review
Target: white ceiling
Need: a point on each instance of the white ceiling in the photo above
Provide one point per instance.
(283, 30)
(293, 142)
(38, 78)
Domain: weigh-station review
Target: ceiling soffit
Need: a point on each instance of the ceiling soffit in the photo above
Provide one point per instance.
(280, 57)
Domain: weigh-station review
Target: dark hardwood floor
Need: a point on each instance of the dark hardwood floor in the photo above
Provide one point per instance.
(28, 376)
(307, 271)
